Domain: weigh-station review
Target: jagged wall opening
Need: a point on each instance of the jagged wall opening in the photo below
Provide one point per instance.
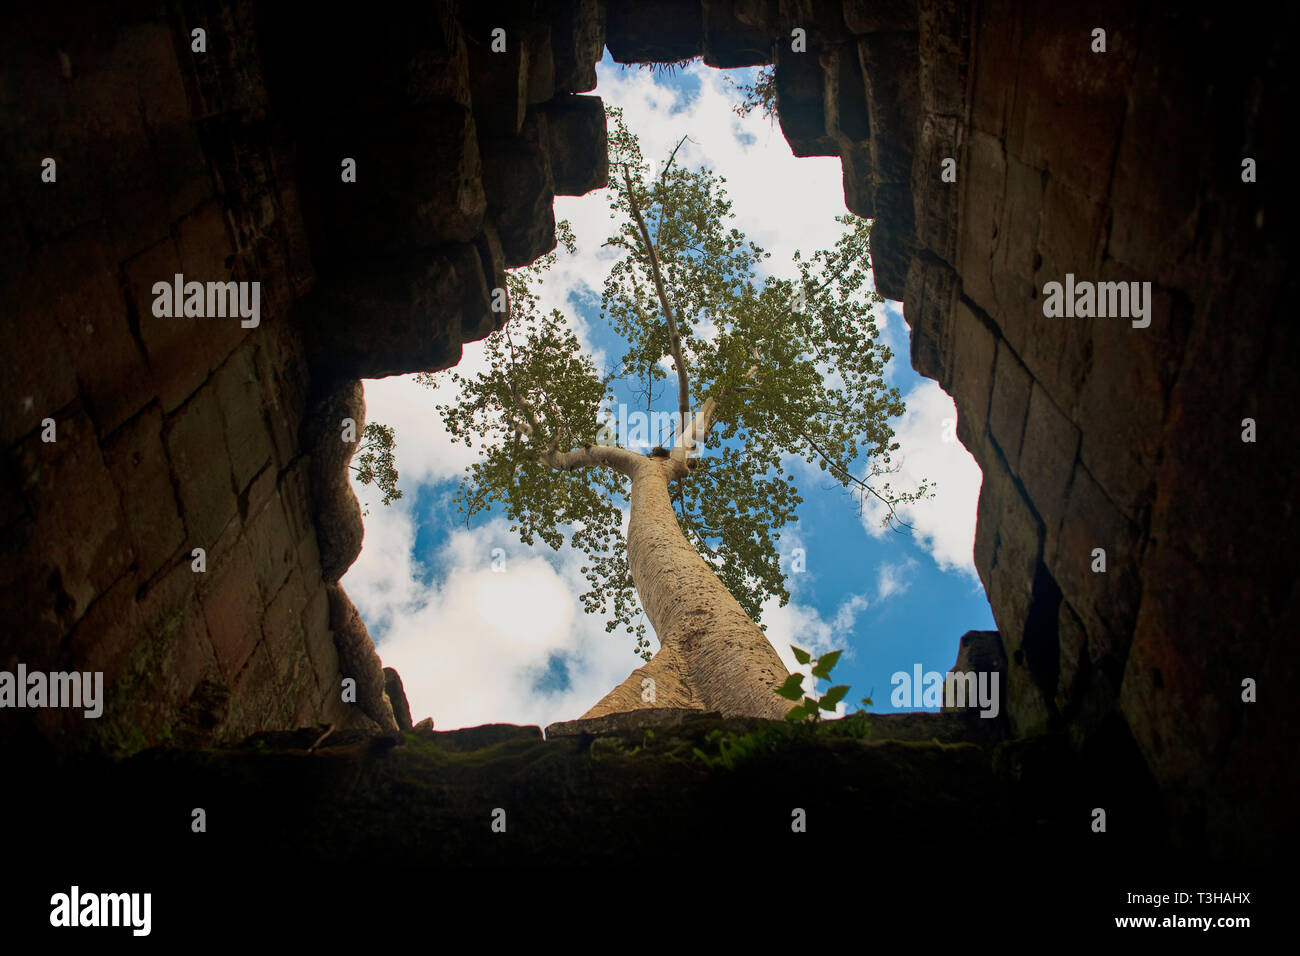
(1091, 433)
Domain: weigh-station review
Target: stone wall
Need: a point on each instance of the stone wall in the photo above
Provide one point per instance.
(173, 434)
(1093, 433)
(1115, 166)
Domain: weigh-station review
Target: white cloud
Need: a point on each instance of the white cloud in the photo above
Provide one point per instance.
(894, 579)
(848, 612)
(945, 524)
(473, 644)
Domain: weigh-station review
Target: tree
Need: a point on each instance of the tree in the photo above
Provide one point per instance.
(759, 95)
(375, 460)
(764, 372)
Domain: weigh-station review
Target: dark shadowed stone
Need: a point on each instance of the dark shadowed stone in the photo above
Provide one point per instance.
(1009, 404)
(477, 324)
(649, 717)
(980, 651)
(498, 81)
(576, 143)
(974, 348)
(417, 184)
(667, 31)
(801, 103)
(358, 660)
(517, 176)
(407, 316)
(397, 698)
(482, 737)
(541, 64)
(764, 14)
(931, 294)
(577, 42)
(728, 42)
(879, 16)
(892, 238)
(859, 197)
(823, 19)
(337, 514)
(846, 96)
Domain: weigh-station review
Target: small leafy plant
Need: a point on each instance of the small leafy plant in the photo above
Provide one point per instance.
(809, 709)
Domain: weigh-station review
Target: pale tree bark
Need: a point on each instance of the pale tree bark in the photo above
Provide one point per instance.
(712, 657)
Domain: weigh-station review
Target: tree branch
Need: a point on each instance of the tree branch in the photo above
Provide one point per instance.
(674, 340)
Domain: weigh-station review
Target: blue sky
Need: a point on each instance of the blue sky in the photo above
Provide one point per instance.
(484, 629)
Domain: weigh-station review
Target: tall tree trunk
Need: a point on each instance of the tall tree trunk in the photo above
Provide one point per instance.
(712, 655)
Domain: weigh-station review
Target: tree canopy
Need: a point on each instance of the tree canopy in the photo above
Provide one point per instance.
(763, 369)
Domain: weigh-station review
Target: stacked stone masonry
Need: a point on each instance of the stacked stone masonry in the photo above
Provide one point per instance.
(1123, 165)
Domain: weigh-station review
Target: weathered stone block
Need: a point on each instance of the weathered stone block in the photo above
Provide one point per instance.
(729, 43)
(889, 67)
(207, 253)
(357, 658)
(1123, 441)
(247, 437)
(943, 35)
(137, 461)
(172, 344)
(232, 610)
(974, 351)
(283, 634)
(985, 177)
(418, 184)
(893, 237)
(1073, 641)
(1022, 212)
(1047, 456)
(107, 637)
(273, 547)
(880, 16)
(858, 181)
(1105, 601)
(336, 513)
(995, 64)
(930, 299)
(577, 42)
(576, 144)
(79, 523)
(1070, 232)
(405, 316)
(476, 323)
(1009, 404)
(320, 641)
(521, 189)
(81, 291)
(201, 467)
(823, 19)
(1069, 102)
(397, 698)
(659, 32)
(541, 64)
(845, 93)
(936, 202)
(801, 103)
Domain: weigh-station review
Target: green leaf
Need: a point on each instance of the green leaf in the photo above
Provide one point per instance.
(824, 664)
(802, 656)
(792, 689)
(833, 696)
